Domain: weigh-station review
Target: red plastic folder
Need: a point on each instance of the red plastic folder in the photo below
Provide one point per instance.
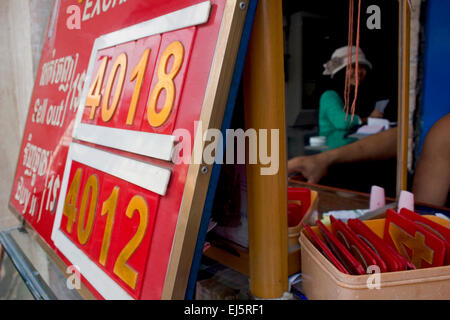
(392, 260)
(340, 251)
(321, 246)
(380, 262)
(442, 232)
(417, 244)
(355, 245)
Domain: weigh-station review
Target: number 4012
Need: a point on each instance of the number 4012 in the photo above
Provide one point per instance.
(85, 224)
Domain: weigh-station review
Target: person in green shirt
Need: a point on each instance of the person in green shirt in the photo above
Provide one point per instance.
(334, 123)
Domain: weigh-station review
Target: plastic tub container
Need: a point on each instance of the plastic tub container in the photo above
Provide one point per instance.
(322, 280)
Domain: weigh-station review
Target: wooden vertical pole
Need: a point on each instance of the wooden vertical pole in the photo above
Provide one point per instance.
(264, 99)
(403, 95)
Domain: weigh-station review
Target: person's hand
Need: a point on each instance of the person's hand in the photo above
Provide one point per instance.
(376, 114)
(313, 168)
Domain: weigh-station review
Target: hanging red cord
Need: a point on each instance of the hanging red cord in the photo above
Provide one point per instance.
(349, 57)
(347, 89)
(357, 61)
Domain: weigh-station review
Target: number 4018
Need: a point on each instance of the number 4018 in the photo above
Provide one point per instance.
(119, 69)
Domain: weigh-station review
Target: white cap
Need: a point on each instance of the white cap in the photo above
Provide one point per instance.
(339, 60)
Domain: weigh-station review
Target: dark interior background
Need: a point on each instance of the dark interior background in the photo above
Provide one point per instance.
(328, 31)
(323, 29)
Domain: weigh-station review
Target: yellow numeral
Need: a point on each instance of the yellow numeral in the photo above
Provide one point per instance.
(70, 210)
(109, 208)
(95, 95)
(90, 192)
(108, 112)
(157, 119)
(121, 268)
(138, 75)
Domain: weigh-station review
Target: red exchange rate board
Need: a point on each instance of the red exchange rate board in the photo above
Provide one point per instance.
(95, 176)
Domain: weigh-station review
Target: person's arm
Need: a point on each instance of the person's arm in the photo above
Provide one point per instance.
(432, 177)
(379, 146)
(334, 111)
